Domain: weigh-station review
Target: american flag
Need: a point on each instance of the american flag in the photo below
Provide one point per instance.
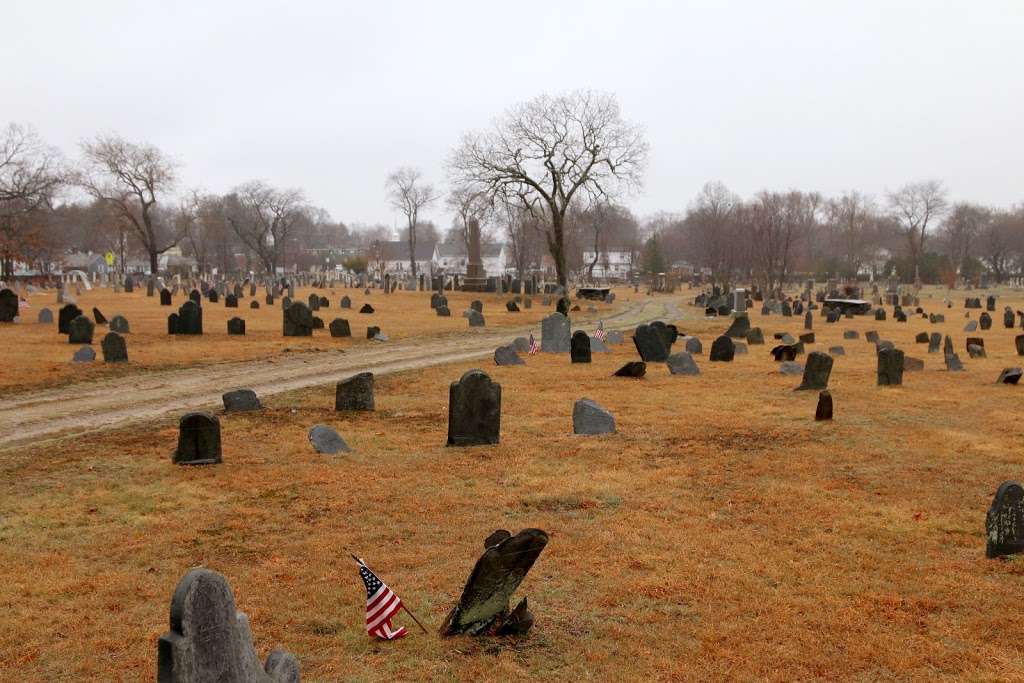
(534, 346)
(600, 334)
(381, 605)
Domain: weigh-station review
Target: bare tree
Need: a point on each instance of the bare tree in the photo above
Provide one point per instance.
(468, 205)
(915, 206)
(264, 217)
(410, 194)
(776, 223)
(130, 177)
(711, 228)
(960, 231)
(551, 151)
(1001, 241)
(30, 175)
(851, 223)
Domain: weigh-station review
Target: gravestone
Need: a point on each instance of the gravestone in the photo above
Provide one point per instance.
(269, 300)
(198, 440)
(824, 410)
(240, 400)
(521, 345)
(1004, 523)
(1019, 343)
(483, 607)
(784, 352)
(346, 302)
(934, 342)
(506, 355)
(990, 303)
(327, 441)
(195, 296)
(1009, 376)
(254, 305)
(739, 327)
(231, 301)
(598, 346)
(682, 364)
(80, 330)
(84, 355)
(836, 351)
(890, 367)
(355, 393)
(213, 296)
(579, 347)
(985, 321)
(921, 338)
(871, 337)
(615, 337)
(314, 302)
(114, 348)
(788, 367)
(98, 317)
(511, 307)
(590, 418)
(236, 326)
(9, 306)
(367, 308)
(339, 327)
(324, 302)
(693, 346)
(722, 350)
(650, 344)
(1009, 319)
(851, 334)
(372, 331)
(477, 305)
(475, 317)
(64, 317)
(554, 334)
(807, 338)
(119, 324)
(971, 326)
(755, 336)
(816, 372)
(635, 369)
(911, 364)
(809, 321)
(211, 641)
(880, 314)
(953, 363)
(474, 410)
(562, 306)
(443, 312)
(298, 320)
(45, 316)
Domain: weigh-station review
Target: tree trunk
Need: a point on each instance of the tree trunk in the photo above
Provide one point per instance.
(556, 245)
(153, 266)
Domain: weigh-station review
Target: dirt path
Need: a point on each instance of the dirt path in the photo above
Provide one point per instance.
(82, 408)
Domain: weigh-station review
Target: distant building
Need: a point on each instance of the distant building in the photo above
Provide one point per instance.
(612, 264)
(86, 262)
(452, 259)
(174, 262)
(394, 257)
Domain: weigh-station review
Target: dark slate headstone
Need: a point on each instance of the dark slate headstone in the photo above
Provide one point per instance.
(1009, 319)
(474, 410)
(985, 321)
(198, 440)
(483, 607)
(682, 364)
(355, 393)
(80, 330)
(346, 302)
(172, 323)
(1004, 523)
(590, 418)
(254, 305)
(851, 334)
(210, 640)
(240, 400)
(231, 301)
(511, 307)
(890, 367)
(1019, 343)
(327, 441)
(784, 352)
(722, 350)
(871, 337)
(9, 306)
(367, 308)
(189, 319)
(947, 345)
(990, 303)
(195, 296)
(84, 355)
(372, 331)
(236, 326)
(650, 344)
(45, 316)
(475, 317)
(579, 347)
(807, 338)
(269, 300)
(298, 320)
(443, 312)
(64, 317)
(755, 336)
(911, 364)
(634, 368)
(816, 371)
(562, 306)
(318, 322)
(213, 296)
(554, 334)
(809, 321)
(953, 363)
(98, 316)
(739, 327)
(934, 342)
(1010, 376)
(824, 410)
(339, 327)
(921, 338)
(506, 355)
(836, 351)
(114, 348)
(324, 302)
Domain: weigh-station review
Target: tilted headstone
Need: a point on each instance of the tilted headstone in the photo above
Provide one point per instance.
(579, 347)
(298, 320)
(590, 418)
(367, 309)
(198, 440)
(911, 364)
(739, 327)
(240, 400)
(210, 641)
(682, 364)
(355, 393)
(635, 369)
(98, 316)
(506, 355)
(474, 410)
(890, 367)
(650, 344)
(327, 441)
(723, 349)
(555, 335)
(115, 350)
(1009, 376)
(483, 607)
(1004, 523)
(953, 363)
(816, 371)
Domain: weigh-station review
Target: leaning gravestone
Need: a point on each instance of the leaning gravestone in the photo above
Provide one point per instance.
(1004, 523)
(210, 641)
(240, 400)
(474, 410)
(98, 316)
(367, 309)
(816, 372)
(483, 607)
(80, 330)
(1010, 376)
(45, 316)
(198, 440)
(739, 327)
(64, 317)
(634, 368)
(650, 344)
(114, 348)
(119, 324)
(953, 363)
(506, 355)
(554, 334)
(298, 320)
(590, 418)
(682, 364)
(722, 350)
(355, 393)
(327, 441)
(579, 347)
(890, 367)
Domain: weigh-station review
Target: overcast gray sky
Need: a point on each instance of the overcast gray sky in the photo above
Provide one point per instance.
(331, 96)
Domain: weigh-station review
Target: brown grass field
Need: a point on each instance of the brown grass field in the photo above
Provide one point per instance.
(721, 534)
(37, 355)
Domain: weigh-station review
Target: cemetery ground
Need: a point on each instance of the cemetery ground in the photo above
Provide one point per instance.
(721, 533)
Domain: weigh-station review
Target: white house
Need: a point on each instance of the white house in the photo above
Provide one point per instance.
(612, 264)
(394, 256)
(452, 259)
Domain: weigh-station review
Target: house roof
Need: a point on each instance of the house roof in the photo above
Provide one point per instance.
(487, 250)
(399, 251)
(78, 259)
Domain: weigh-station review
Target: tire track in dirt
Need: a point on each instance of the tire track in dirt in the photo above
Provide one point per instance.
(87, 407)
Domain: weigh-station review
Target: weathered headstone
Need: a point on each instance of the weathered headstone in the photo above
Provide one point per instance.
(474, 410)
(198, 440)
(788, 367)
(1010, 376)
(650, 344)
(634, 368)
(327, 441)
(1004, 523)
(682, 364)
(755, 336)
(298, 320)
(114, 348)
(45, 316)
(506, 355)
(953, 363)
(240, 400)
(693, 346)
(339, 327)
(554, 334)
(824, 410)
(86, 354)
(590, 418)
(355, 393)
(64, 317)
(366, 308)
(579, 347)
(80, 330)
(722, 350)
(739, 327)
(475, 317)
(890, 367)
(816, 371)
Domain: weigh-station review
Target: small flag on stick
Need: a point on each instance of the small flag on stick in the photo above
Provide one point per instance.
(600, 334)
(381, 605)
(534, 346)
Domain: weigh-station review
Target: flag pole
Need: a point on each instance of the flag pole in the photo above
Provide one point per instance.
(407, 611)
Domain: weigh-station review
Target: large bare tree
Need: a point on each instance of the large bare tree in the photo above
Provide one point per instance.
(264, 217)
(410, 194)
(915, 206)
(131, 177)
(554, 152)
(468, 204)
(960, 232)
